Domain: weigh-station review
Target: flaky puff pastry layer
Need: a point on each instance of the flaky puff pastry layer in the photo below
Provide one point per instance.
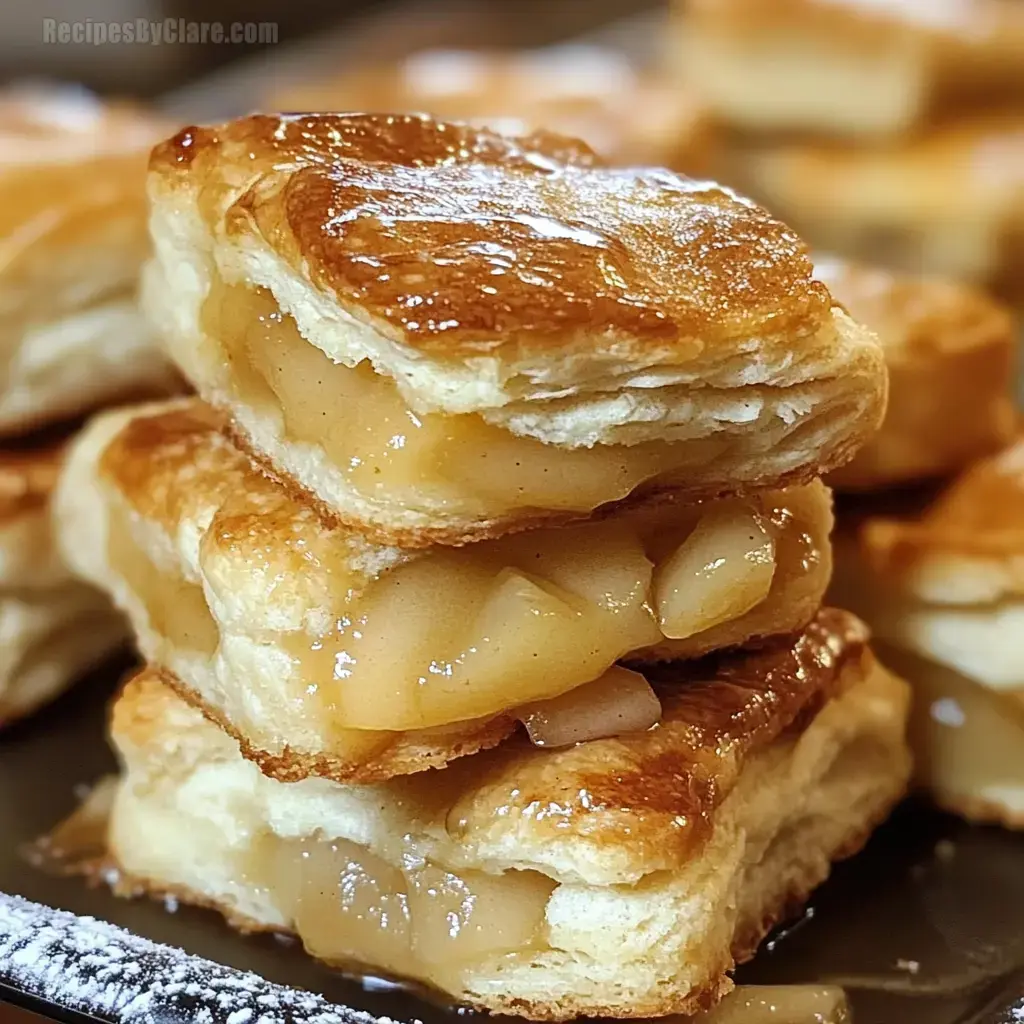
(621, 877)
(329, 655)
(589, 92)
(53, 627)
(947, 201)
(849, 68)
(941, 583)
(951, 352)
(73, 224)
(547, 309)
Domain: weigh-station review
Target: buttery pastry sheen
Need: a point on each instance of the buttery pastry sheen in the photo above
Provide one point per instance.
(328, 654)
(661, 859)
(444, 333)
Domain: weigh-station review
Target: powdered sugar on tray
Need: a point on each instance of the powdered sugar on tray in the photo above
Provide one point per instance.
(91, 966)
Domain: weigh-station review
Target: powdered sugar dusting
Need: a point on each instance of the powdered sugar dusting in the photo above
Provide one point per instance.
(84, 964)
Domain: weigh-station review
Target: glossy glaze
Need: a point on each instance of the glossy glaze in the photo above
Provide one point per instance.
(460, 240)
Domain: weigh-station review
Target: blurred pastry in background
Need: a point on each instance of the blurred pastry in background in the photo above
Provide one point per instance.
(942, 587)
(622, 877)
(592, 93)
(949, 201)
(951, 353)
(72, 338)
(446, 334)
(73, 229)
(849, 68)
(53, 627)
(360, 661)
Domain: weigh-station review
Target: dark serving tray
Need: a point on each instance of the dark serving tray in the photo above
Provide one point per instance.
(925, 926)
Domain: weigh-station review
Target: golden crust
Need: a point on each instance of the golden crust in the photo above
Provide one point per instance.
(950, 351)
(643, 259)
(745, 943)
(590, 93)
(54, 627)
(500, 286)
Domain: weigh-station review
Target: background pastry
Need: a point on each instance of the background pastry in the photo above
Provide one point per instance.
(53, 627)
(943, 590)
(73, 224)
(445, 333)
(688, 842)
(329, 654)
(951, 353)
(948, 201)
(588, 92)
(851, 68)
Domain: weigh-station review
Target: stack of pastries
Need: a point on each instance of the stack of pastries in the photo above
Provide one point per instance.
(930, 532)
(481, 588)
(72, 210)
(892, 132)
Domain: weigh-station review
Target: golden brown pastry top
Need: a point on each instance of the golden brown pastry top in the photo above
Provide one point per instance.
(918, 317)
(980, 515)
(462, 240)
(584, 91)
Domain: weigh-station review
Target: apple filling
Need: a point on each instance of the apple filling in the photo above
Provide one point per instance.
(176, 609)
(968, 740)
(386, 451)
(457, 634)
(351, 907)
